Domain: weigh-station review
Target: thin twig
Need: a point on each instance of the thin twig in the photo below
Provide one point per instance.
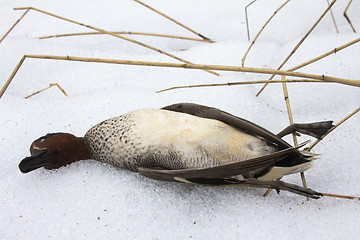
(340, 196)
(333, 128)
(298, 45)
(291, 120)
(347, 17)
(247, 21)
(258, 34)
(257, 186)
(12, 27)
(173, 20)
(127, 32)
(51, 85)
(7, 83)
(333, 18)
(336, 50)
(288, 107)
(113, 34)
(244, 83)
(186, 66)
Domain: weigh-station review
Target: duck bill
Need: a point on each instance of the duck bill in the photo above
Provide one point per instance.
(37, 160)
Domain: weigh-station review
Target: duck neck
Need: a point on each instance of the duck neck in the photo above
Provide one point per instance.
(82, 150)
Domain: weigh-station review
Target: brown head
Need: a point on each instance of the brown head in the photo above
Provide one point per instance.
(54, 151)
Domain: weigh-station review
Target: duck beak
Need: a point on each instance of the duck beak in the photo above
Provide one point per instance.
(37, 160)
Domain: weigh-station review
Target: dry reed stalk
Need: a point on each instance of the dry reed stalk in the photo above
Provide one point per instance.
(340, 196)
(333, 18)
(258, 34)
(347, 17)
(298, 45)
(291, 120)
(257, 186)
(204, 67)
(244, 83)
(325, 55)
(126, 32)
(288, 107)
(333, 128)
(113, 34)
(246, 19)
(173, 20)
(51, 85)
(186, 66)
(12, 75)
(12, 27)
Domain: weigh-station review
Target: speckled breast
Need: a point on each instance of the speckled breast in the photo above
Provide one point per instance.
(170, 140)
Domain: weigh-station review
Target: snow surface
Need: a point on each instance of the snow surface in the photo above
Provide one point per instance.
(91, 200)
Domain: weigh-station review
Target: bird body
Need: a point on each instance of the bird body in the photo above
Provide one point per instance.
(171, 140)
(184, 143)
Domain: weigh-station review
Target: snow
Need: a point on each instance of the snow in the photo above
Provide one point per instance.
(92, 200)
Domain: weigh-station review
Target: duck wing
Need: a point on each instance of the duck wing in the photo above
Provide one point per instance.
(223, 175)
(236, 122)
(219, 172)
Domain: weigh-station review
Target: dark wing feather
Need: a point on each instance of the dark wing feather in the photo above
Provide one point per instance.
(218, 172)
(236, 122)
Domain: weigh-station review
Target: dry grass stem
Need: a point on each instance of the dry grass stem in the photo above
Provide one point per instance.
(204, 67)
(127, 32)
(257, 186)
(298, 45)
(247, 21)
(51, 85)
(186, 66)
(258, 34)
(12, 27)
(333, 128)
(113, 34)
(291, 120)
(7, 83)
(173, 20)
(340, 196)
(347, 17)
(288, 107)
(244, 83)
(325, 55)
(333, 18)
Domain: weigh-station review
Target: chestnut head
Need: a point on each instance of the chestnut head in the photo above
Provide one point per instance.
(53, 151)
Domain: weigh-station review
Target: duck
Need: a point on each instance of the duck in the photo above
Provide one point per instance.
(188, 143)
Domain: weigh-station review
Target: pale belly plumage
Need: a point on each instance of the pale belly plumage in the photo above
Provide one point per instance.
(170, 140)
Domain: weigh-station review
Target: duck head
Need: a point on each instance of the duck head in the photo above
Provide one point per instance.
(53, 151)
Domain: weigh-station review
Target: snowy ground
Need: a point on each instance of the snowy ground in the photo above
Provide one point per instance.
(91, 200)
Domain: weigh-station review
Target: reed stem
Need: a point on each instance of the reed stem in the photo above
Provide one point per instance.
(113, 34)
(173, 20)
(347, 17)
(244, 83)
(336, 50)
(247, 21)
(299, 44)
(51, 85)
(333, 128)
(322, 78)
(258, 34)
(126, 32)
(333, 18)
(12, 27)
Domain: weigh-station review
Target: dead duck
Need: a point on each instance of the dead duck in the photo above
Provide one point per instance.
(185, 142)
